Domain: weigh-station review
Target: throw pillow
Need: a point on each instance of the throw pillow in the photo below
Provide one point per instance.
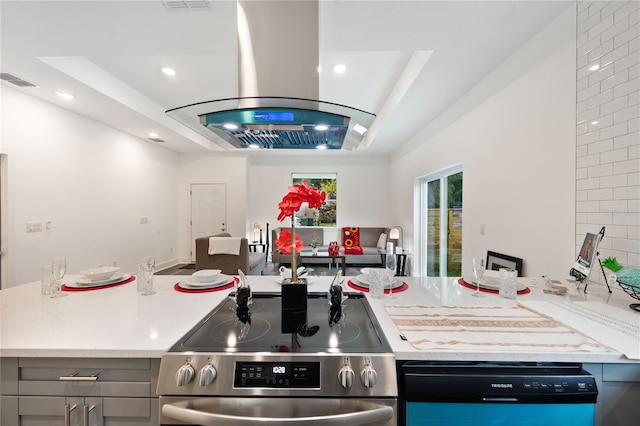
(351, 240)
(382, 241)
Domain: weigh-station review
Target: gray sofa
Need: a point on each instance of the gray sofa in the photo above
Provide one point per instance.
(368, 241)
(248, 262)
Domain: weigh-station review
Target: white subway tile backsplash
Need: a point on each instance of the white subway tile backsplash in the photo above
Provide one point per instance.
(627, 35)
(604, 24)
(630, 139)
(590, 114)
(626, 114)
(586, 184)
(626, 62)
(600, 122)
(613, 106)
(610, 7)
(626, 88)
(604, 48)
(588, 161)
(615, 55)
(626, 193)
(588, 138)
(626, 10)
(629, 166)
(601, 170)
(613, 181)
(608, 126)
(613, 131)
(600, 98)
(602, 146)
(614, 80)
(614, 156)
(588, 92)
(587, 206)
(615, 29)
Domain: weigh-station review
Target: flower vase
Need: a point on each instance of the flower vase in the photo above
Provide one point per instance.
(314, 250)
(294, 307)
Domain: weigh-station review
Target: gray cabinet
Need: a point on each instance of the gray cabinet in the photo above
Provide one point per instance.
(78, 391)
(618, 393)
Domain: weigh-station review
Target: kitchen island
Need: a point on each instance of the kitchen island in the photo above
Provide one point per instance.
(99, 326)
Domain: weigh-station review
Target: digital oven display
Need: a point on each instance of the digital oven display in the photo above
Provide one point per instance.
(277, 375)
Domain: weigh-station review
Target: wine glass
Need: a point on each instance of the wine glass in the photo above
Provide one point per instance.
(59, 268)
(150, 261)
(478, 271)
(390, 264)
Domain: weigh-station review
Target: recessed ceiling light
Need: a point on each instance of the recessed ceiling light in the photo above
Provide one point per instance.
(153, 135)
(594, 67)
(254, 146)
(339, 69)
(230, 126)
(169, 71)
(321, 147)
(65, 95)
(594, 122)
(322, 127)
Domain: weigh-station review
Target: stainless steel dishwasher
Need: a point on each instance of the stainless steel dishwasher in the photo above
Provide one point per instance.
(483, 393)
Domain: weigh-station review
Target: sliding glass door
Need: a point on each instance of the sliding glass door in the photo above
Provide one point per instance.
(441, 223)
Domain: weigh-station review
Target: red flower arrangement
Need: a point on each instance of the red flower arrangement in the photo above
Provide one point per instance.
(288, 241)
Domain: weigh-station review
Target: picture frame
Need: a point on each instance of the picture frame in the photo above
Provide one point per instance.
(495, 261)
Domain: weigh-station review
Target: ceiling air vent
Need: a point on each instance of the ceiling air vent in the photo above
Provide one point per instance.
(186, 4)
(15, 80)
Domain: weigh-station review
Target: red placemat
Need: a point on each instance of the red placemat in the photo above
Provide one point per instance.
(463, 283)
(355, 286)
(176, 287)
(63, 287)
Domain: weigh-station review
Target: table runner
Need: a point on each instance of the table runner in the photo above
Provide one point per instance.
(492, 328)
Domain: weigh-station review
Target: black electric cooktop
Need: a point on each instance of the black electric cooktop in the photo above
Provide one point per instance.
(260, 328)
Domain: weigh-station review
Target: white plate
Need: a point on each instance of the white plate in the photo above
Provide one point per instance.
(363, 280)
(203, 286)
(87, 283)
(194, 283)
(492, 283)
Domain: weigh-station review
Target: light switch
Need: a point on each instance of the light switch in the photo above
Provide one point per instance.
(34, 226)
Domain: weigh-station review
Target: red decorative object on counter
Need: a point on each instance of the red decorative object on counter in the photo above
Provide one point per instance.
(334, 248)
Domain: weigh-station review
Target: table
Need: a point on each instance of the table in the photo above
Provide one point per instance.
(253, 246)
(401, 261)
(325, 254)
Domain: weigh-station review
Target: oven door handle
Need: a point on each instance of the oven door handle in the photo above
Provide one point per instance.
(380, 414)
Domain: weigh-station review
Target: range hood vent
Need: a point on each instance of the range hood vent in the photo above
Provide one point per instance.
(278, 106)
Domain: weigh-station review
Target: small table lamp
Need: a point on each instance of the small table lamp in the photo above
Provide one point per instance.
(395, 233)
(257, 229)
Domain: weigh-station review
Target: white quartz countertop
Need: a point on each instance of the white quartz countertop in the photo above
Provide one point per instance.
(119, 322)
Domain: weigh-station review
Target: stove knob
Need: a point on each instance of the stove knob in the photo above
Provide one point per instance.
(185, 374)
(207, 375)
(369, 376)
(346, 376)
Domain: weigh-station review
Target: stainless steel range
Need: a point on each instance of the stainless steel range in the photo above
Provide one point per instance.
(245, 364)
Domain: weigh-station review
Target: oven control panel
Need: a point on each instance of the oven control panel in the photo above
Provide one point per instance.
(277, 375)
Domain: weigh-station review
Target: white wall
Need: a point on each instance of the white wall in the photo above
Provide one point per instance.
(515, 137)
(92, 182)
(212, 168)
(363, 188)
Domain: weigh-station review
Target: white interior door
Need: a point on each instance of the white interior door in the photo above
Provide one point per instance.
(208, 211)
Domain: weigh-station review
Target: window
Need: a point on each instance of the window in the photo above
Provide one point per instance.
(441, 223)
(326, 215)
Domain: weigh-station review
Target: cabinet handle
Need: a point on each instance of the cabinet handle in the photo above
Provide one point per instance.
(85, 415)
(67, 413)
(75, 378)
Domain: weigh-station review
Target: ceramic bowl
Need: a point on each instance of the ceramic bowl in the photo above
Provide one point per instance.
(206, 275)
(100, 273)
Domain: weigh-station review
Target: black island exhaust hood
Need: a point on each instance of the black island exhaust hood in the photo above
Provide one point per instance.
(278, 83)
